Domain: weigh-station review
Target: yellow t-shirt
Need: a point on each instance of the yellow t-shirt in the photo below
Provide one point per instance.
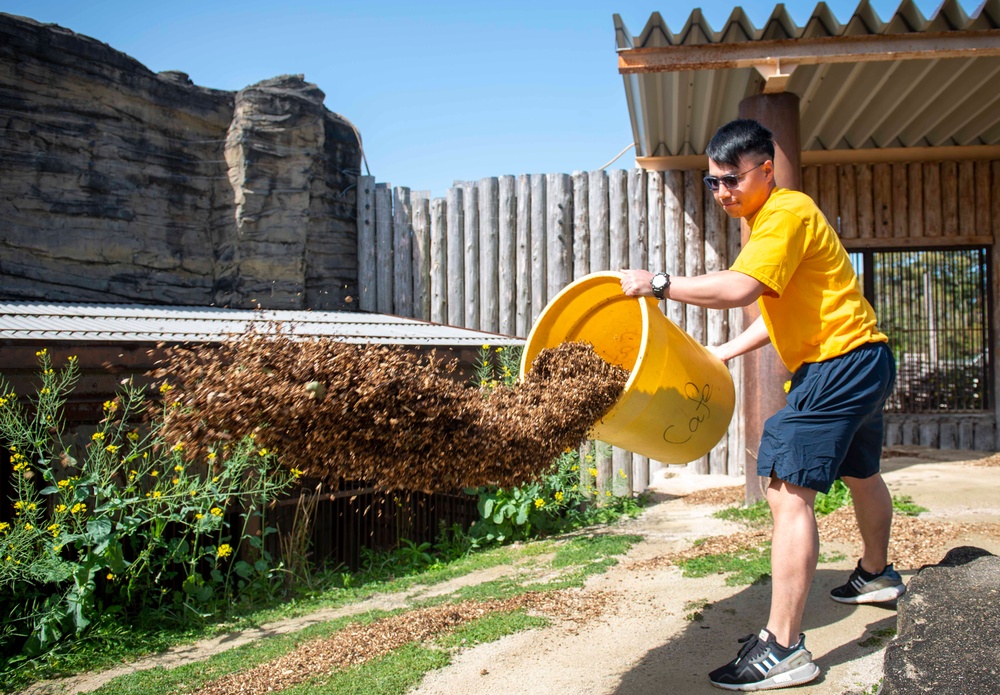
(813, 305)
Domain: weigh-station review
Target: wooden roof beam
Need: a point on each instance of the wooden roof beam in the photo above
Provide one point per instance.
(785, 54)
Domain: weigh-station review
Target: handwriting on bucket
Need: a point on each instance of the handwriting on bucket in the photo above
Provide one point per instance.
(698, 398)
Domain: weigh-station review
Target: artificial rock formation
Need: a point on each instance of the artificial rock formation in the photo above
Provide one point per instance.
(124, 185)
(948, 629)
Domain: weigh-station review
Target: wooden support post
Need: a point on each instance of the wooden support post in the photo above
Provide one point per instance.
(472, 250)
(599, 211)
(581, 225)
(525, 273)
(558, 233)
(421, 259)
(763, 372)
(538, 246)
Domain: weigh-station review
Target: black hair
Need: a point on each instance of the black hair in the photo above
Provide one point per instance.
(739, 139)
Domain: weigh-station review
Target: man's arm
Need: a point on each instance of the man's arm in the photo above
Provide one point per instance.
(726, 289)
(754, 337)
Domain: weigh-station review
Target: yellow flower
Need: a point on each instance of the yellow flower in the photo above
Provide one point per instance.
(175, 481)
(164, 387)
(215, 511)
(194, 493)
(97, 436)
(4, 526)
(53, 529)
(559, 496)
(215, 479)
(157, 493)
(499, 349)
(225, 550)
(29, 527)
(296, 472)
(179, 446)
(20, 466)
(178, 469)
(622, 474)
(486, 346)
(62, 483)
(199, 516)
(56, 548)
(154, 473)
(574, 468)
(592, 471)
(110, 406)
(133, 436)
(41, 353)
(262, 452)
(71, 358)
(60, 508)
(788, 386)
(110, 577)
(78, 508)
(539, 503)
(111, 448)
(45, 391)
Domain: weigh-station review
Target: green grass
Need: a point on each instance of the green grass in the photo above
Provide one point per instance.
(905, 505)
(743, 567)
(754, 514)
(565, 561)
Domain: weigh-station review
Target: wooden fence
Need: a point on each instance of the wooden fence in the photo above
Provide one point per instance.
(492, 253)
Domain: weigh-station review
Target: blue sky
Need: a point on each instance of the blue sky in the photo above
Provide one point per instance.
(439, 90)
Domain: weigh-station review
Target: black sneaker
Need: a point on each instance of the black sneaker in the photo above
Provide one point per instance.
(763, 664)
(863, 587)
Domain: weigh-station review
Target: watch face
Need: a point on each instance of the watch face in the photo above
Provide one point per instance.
(659, 282)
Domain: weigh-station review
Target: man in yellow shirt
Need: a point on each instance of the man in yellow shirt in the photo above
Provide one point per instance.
(825, 332)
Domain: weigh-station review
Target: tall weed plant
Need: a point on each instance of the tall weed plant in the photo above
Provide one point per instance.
(563, 498)
(122, 523)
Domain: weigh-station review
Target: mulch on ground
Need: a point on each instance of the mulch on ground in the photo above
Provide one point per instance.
(384, 414)
(359, 643)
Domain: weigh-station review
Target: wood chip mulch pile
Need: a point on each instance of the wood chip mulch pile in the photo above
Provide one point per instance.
(358, 643)
(914, 541)
(990, 461)
(385, 415)
(717, 496)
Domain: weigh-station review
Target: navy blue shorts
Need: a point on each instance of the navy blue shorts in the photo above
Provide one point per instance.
(832, 425)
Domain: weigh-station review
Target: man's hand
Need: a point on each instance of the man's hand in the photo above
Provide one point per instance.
(719, 351)
(636, 283)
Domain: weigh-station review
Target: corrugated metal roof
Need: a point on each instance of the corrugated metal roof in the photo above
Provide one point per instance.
(843, 105)
(81, 322)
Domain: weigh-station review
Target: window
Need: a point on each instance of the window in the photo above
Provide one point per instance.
(934, 306)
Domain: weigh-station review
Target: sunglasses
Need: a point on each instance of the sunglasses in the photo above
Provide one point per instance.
(730, 181)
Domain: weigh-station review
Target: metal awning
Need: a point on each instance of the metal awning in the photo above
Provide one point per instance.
(93, 323)
(907, 83)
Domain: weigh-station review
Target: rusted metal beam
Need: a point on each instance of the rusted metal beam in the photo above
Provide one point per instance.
(828, 49)
(860, 156)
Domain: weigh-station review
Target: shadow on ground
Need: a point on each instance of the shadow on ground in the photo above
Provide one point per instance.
(706, 644)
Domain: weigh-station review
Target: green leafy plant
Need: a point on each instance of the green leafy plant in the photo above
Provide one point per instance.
(838, 496)
(905, 505)
(122, 522)
(563, 498)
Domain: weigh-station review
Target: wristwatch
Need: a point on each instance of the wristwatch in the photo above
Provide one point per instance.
(660, 284)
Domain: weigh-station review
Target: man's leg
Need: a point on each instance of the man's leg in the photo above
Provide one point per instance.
(794, 551)
(873, 511)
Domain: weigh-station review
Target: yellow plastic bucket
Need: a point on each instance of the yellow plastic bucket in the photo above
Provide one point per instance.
(679, 397)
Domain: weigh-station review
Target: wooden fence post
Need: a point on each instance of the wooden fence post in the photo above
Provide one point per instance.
(638, 257)
(455, 239)
(367, 286)
(525, 271)
(716, 259)
(618, 219)
(558, 233)
(507, 294)
(489, 254)
(581, 225)
(422, 259)
(694, 264)
(539, 266)
(439, 260)
(673, 232)
(472, 279)
(598, 210)
(383, 248)
(402, 256)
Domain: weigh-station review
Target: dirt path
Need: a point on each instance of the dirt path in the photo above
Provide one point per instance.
(648, 641)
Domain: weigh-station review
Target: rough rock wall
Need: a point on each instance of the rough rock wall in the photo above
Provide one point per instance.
(118, 184)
